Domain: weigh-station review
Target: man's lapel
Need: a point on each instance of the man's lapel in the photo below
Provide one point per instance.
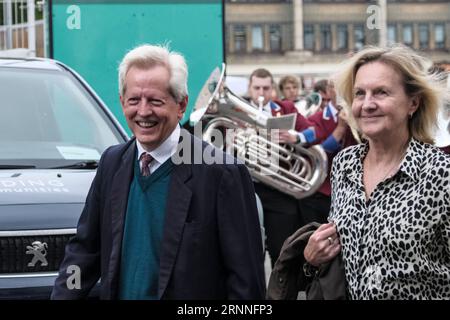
(119, 198)
(178, 201)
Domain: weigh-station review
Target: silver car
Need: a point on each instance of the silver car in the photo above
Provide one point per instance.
(53, 129)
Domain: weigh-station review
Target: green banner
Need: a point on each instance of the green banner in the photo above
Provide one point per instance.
(92, 36)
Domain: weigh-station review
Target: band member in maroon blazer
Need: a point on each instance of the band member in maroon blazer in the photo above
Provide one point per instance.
(333, 133)
(281, 213)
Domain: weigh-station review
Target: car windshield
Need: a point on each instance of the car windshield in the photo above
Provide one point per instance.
(48, 120)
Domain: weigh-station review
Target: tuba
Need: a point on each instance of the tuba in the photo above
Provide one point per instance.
(291, 169)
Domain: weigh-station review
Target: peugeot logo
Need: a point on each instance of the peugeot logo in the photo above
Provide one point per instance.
(39, 251)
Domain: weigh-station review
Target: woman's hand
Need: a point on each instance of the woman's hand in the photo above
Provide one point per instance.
(323, 245)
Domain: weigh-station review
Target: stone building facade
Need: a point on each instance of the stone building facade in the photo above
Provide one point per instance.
(311, 37)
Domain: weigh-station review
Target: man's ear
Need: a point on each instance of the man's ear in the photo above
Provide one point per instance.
(122, 101)
(183, 105)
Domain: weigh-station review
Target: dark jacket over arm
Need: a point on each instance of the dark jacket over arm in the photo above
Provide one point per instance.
(287, 277)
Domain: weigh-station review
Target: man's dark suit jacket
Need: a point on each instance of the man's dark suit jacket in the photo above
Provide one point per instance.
(211, 247)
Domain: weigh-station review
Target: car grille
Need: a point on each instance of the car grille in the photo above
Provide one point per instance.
(14, 259)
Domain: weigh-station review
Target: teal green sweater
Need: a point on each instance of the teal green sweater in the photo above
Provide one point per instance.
(144, 221)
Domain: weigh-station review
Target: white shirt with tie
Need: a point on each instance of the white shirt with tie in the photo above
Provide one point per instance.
(161, 153)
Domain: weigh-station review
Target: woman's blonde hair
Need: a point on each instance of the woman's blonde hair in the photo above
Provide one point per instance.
(429, 87)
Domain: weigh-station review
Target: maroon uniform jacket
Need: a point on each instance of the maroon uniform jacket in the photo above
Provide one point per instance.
(446, 149)
(324, 126)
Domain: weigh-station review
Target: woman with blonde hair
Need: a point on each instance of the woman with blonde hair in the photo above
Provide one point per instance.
(390, 211)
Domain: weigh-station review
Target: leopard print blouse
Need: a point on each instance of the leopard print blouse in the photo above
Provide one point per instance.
(396, 245)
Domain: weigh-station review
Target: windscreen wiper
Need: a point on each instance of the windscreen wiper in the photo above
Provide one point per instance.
(16, 166)
(91, 164)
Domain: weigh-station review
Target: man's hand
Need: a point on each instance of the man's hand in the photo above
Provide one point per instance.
(342, 125)
(286, 136)
(342, 117)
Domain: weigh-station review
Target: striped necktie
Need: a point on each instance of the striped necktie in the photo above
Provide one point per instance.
(145, 159)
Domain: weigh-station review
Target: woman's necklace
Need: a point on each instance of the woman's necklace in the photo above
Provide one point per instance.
(396, 164)
(370, 174)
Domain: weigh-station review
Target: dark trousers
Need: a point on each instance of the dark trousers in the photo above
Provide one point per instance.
(281, 217)
(315, 208)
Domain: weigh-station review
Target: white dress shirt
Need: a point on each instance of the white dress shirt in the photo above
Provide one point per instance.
(163, 152)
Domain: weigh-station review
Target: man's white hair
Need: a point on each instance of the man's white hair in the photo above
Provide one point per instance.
(147, 56)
